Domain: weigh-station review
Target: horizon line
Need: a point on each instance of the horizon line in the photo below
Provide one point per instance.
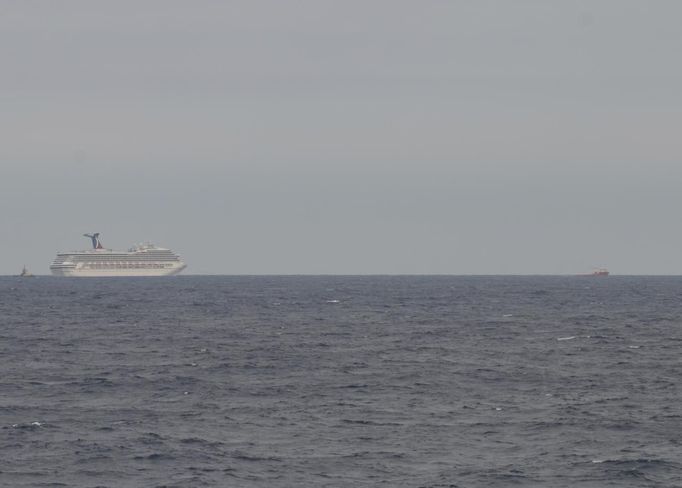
(577, 275)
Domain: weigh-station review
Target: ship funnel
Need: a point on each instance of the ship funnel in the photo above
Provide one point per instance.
(95, 240)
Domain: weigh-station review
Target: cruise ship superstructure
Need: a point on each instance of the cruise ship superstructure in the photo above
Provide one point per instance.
(140, 260)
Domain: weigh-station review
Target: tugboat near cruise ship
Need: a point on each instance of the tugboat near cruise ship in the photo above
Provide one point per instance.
(25, 273)
(140, 260)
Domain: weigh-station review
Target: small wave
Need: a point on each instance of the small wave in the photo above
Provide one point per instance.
(29, 426)
(383, 454)
(637, 465)
(565, 338)
(200, 441)
(155, 456)
(253, 458)
(368, 422)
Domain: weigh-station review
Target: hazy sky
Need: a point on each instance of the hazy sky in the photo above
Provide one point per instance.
(385, 136)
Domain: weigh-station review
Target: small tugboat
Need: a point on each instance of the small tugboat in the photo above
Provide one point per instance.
(25, 273)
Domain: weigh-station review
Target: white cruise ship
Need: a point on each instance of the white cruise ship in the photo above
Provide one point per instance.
(140, 260)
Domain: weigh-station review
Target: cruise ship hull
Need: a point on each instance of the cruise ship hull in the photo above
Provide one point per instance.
(105, 273)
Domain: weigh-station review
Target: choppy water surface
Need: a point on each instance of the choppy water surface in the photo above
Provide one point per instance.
(341, 381)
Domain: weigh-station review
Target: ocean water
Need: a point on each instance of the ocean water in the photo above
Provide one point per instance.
(341, 381)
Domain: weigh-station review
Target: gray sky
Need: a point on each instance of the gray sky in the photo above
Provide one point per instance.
(316, 136)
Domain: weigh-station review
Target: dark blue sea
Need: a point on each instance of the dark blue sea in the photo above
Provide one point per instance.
(341, 382)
